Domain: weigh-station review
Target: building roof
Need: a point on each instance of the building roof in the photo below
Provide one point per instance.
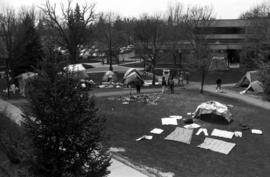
(230, 23)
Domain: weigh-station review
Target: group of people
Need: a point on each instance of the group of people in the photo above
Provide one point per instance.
(170, 81)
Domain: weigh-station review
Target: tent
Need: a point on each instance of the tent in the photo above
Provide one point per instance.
(255, 86)
(214, 108)
(218, 63)
(132, 77)
(75, 68)
(22, 79)
(109, 76)
(78, 71)
(249, 77)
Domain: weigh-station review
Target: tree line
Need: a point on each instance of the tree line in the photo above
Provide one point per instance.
(77, 25)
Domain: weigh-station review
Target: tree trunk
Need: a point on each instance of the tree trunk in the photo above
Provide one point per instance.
(7, 78)
(154, 70)
(202, 81)
(110, 54)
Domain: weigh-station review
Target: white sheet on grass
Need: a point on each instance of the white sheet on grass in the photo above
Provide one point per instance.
(191, 126)
(256, 131)
(238, 134)
(169, 121)
(222, 133)
(148, 137)
(176, 117)
(217, 145)
(156, 131)
(202, 130)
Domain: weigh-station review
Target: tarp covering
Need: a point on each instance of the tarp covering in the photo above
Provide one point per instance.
(213, 107)
(109, 76)
(132, 77)
(218, 64)
(249, 77)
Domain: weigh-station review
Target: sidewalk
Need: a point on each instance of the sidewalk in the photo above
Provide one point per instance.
(233, 94)
(118, 169)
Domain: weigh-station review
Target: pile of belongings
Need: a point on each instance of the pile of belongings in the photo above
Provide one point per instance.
(214, 108)
(132, 78)
(142, 98)
(110, 85)
(86, 84)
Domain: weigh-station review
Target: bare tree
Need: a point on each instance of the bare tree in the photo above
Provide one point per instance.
(175, 15)
(107, 35)
(196, 22)
(73, 25)
(151, 34)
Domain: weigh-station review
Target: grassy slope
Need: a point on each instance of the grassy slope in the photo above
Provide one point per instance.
(250, 157)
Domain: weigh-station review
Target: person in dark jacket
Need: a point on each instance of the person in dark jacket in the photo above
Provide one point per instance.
(218, 82)
(163, 84)
(171, 84)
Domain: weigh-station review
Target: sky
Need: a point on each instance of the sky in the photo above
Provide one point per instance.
(223, 9)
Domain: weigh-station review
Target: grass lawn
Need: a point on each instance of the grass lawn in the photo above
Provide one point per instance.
(250, 157)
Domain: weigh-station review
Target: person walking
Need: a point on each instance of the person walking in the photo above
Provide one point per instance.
(163, 84)
(218, 82)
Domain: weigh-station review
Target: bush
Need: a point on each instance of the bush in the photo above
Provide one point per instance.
(66, 131)
(14, 149)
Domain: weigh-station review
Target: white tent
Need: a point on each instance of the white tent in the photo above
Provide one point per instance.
(218, 63)
(75, 68)
(109, 76)
(255, 86)
(249, 77)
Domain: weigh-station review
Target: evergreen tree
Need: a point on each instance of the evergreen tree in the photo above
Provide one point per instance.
(28, 47)
(66, 131)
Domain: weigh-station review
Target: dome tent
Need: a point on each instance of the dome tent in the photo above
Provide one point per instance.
(213, 108)
(109, 76)
(133, 77)
(249, 77)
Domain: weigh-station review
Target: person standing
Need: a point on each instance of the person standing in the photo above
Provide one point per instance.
(138, 88)
(181, 80)
(171, 84)
(163, 84)
(187, 77)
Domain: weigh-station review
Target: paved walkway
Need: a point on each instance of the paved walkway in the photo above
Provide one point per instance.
(234, 95)
(118, 169)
